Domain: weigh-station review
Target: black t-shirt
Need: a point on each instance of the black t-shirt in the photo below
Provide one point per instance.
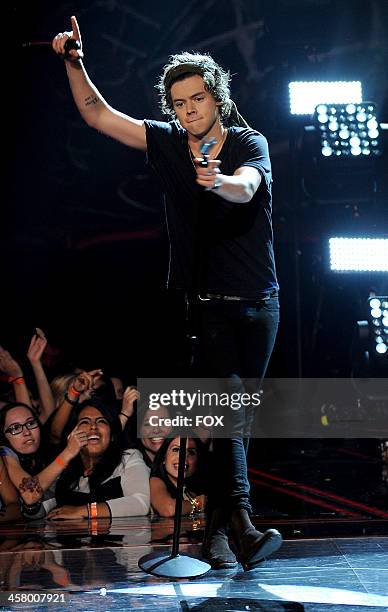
(216, 246)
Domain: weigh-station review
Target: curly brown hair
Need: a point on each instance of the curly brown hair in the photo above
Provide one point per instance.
(182, 65)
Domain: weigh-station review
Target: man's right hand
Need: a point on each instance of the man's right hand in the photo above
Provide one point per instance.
(60, 40)
(97, 113)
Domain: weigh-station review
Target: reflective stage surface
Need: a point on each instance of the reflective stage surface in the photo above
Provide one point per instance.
(99, 571)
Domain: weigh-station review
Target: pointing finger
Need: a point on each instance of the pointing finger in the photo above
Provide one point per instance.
(75, 28)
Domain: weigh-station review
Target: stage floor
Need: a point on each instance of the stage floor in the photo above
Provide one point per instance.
(99, 571)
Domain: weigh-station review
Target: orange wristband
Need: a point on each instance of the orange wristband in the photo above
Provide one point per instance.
(60, 461)
(74, 391)
(94, 527)
(93, 510)
(19, 380)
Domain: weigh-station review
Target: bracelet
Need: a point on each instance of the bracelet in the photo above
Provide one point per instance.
(93, 510)
(72, 402)
(60, 461)
(31, 509)
(194, 506)
(74, 391)
(18, 380)
(92, 518)
(193, 501)
(123, 413)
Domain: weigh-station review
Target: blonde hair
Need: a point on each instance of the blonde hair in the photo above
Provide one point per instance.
(60, 385)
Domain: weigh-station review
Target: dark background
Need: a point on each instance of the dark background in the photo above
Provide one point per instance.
(84, 249)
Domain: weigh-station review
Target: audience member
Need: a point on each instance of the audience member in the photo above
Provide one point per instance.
(164, 476)
(103, 481)
(26, 458)
(151, 436)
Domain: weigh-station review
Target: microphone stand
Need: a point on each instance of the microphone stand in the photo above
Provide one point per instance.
(174, 565)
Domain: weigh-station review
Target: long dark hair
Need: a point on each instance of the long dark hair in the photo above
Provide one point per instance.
(197, 483)
(30, 462)
(107, 463)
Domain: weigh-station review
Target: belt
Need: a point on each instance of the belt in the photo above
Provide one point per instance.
(234, 298)
(226, 298)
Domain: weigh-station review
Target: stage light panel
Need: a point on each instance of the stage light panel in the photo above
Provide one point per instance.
(306, 95)
(359, 255)
(378, 315)
(348, 131)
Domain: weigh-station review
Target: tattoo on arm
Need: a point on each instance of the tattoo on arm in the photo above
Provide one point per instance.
(30, 484)
(91, 100)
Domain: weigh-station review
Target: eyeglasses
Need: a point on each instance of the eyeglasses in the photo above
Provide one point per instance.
(16, 428)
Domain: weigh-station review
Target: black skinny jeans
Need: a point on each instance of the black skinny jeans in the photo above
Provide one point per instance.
(236, 342)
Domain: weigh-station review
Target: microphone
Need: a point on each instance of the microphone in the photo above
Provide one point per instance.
(70, 44)
(204, 148)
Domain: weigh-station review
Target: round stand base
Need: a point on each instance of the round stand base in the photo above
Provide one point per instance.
(166, 566)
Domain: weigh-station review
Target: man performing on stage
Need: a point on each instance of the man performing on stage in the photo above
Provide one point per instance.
(221, 254)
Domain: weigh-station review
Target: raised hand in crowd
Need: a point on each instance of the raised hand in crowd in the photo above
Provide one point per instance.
(87, 382)
(37, 346)
(13, 373)
(131, 395)
(80, 389)
(35, 352)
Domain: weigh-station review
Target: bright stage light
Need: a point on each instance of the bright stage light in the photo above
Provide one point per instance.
(348, 130)
(359, 255)
(378, 316)
(306, 95)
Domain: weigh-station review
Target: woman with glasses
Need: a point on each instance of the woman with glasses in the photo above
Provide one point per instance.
(25, 456)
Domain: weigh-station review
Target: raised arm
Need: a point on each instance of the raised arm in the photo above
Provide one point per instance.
(94, 109)
(14, 375)
(35, 351)
(131, 395)
(82, 383)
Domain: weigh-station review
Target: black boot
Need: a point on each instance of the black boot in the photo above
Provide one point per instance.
(215, 547)
(252, 545)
